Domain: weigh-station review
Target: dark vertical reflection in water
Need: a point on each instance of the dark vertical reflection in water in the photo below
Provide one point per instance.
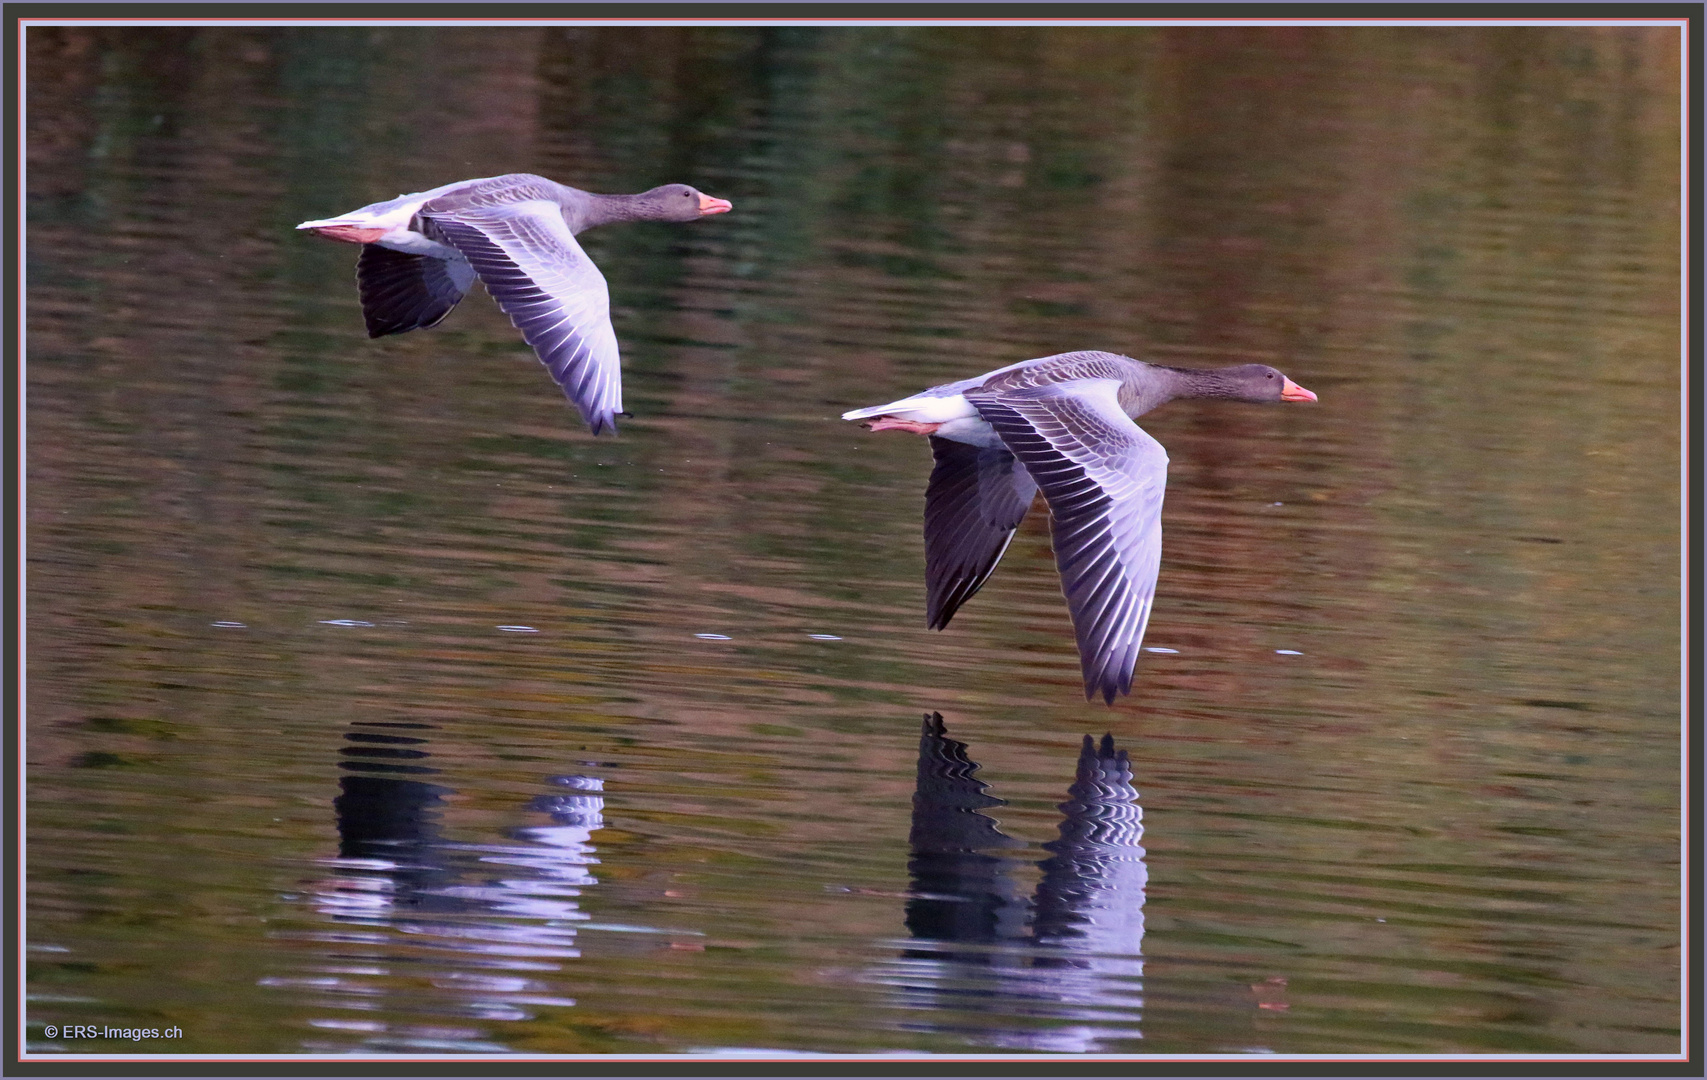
(962, 892)
(432, 934)
(1067, 964)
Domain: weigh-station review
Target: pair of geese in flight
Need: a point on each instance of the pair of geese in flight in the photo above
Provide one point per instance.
(1062, 424)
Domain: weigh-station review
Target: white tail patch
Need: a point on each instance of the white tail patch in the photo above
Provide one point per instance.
(924, 409)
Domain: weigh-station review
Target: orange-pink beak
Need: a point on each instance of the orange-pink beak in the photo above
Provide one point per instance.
(1293, 392)
(709, 205)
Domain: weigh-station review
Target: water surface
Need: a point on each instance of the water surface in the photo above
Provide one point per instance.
(375, 706)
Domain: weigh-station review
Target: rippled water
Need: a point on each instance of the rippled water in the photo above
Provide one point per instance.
(375, 706)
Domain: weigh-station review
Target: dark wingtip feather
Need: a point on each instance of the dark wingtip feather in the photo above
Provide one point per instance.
(1109, 688)
(938, 614)
(1110, 681)
(597, 423)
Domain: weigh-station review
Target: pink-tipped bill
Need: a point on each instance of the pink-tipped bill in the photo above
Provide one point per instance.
(709, 205)
(1293, 392)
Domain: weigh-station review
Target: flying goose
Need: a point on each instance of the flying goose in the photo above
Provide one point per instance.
(1062, 424)
(516, 233)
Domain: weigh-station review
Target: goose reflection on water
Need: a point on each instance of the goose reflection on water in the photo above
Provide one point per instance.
(1060, 971)
(432, 932)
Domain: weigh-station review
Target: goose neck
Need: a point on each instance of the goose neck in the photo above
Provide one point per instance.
(605, 209)
(1201, 383)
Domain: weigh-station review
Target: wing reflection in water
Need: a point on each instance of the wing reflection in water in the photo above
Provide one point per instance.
(431, 934)
(1059, 972)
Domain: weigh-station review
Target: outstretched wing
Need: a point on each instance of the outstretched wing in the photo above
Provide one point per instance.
(1104, 479)
(402, 292)
(530, 262)
(976, 499)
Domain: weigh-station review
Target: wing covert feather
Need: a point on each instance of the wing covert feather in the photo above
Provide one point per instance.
(532, 265)
(1104, 479)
